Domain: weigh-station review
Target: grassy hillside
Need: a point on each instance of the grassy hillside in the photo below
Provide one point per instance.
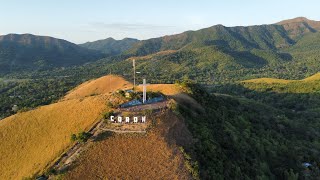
(33, 139)
(102, 85)
(133, 156)
(307, 85)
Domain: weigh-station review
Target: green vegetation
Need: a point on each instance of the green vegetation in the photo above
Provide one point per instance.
(248, 130)
(28, 52)
(212, 56)
(81, 137)
(31, 93)
(192, 166)
(107, 115)
(240, 138)
(110, 46)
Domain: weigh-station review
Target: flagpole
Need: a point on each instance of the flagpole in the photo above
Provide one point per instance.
(134, 74)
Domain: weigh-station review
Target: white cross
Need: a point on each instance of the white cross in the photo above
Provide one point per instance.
(144, 98)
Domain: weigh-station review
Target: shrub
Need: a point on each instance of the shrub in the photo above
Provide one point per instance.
(106, 115)
(73, 137)
(81, 137)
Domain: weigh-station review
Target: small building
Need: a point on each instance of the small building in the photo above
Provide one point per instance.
(128, 93)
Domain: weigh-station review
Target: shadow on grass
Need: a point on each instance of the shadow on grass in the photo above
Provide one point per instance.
(102, 136)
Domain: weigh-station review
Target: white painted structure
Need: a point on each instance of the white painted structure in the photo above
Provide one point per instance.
(144, 96)
(134, 73)
(120, 119)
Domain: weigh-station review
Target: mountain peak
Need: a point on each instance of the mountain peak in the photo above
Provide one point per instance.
(299, 26)
(297, 20)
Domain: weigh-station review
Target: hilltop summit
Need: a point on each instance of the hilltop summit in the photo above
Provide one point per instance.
(299, 26)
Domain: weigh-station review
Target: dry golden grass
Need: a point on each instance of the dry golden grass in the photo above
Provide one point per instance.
(131, 156)
(167, 89)
(30, 140)
(313, 78)
(269, 81)
(282, 81)
(102, 85)
(33, 139)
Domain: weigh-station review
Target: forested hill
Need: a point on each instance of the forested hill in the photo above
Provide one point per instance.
(288, 49)
(257, 131)
(299, 26)
(27, 51)
(266, 37)
(111, 46)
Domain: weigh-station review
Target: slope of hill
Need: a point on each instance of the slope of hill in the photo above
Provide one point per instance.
(151, 156)
(255, 135)
(307, 85)
(220, 53)
(110, 46)
(27, 51)
(315, 77)
(217, 54)
(33, 139)
(102, 85)
(238, 38)
(299, 26)
(271, 36)
(268, 81)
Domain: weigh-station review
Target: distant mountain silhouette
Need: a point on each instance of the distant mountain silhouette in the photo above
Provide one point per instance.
(27, 51)
(111, 46)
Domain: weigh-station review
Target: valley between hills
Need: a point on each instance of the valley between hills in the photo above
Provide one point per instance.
(238, 103)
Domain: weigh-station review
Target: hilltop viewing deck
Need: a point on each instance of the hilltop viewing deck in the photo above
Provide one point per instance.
(152, 106)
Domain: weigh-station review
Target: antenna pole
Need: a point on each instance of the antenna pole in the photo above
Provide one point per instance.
(134, 74)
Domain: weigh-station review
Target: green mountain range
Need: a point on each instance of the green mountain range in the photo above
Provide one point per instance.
(255, 123)
(111, 46)
(30, 52)
(288, 49)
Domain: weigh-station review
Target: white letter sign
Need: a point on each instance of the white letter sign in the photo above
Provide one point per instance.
(119, 119)
(143, 119)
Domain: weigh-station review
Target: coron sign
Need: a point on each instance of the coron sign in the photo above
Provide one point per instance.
(135, 119)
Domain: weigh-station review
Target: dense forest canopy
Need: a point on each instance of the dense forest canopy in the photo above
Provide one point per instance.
(256, 129)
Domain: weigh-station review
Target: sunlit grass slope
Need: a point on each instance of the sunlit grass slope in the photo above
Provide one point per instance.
(307, 85)
(32, 140)
(102, 85)
(135, 156)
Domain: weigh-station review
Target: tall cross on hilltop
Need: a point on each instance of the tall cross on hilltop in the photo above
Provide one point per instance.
(144, 85)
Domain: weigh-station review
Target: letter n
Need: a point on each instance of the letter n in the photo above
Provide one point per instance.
(143, 119)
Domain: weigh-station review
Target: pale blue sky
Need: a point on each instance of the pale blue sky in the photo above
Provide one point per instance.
(87, 20)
